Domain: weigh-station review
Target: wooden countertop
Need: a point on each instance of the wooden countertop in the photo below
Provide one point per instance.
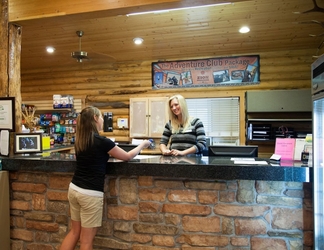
(148, 151)
(60, 148)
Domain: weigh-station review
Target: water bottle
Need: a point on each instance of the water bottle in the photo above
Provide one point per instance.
(152, 145)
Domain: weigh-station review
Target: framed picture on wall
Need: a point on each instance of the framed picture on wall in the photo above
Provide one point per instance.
(26, 143)
(207, 72)
(7, 113)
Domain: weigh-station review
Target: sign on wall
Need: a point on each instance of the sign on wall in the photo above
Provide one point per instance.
(223, 71)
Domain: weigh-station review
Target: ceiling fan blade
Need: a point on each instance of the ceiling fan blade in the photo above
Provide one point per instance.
(311, 22)
(316, 8)
(312, 35)
(102, 56)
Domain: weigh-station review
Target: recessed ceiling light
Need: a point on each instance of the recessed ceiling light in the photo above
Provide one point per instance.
(138, 40)
(50, 49)
(244, 29)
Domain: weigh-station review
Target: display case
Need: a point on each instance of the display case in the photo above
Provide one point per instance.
(58, 122)
(60, 125)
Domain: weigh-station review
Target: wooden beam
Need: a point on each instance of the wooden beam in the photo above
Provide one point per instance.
(20, 10)
(14, 71)
(4, 48)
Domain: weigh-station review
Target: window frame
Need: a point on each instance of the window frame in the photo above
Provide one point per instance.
(241, 140)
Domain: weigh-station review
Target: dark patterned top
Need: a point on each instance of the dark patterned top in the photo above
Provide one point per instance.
(194, 135)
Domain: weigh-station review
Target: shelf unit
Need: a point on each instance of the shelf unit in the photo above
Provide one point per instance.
(65, 131)
(60, 125)
(277, 114)
(43, 106)
(296, 127)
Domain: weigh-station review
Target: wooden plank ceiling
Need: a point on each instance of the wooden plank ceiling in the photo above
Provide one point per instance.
(194, 33)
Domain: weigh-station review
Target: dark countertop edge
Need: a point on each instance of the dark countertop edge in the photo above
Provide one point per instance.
(174, 170)
(219, 172)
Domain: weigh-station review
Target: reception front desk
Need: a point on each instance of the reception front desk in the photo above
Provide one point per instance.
(162, 202)
(200, 167)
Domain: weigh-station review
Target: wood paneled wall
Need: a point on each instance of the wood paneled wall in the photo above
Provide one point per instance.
(109, 86)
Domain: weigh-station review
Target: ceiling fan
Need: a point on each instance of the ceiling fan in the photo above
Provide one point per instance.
(316, 22)
(316, 8)
(80, 55)
(312, 35)
(317, 55)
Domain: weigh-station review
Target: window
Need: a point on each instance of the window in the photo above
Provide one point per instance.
(220, 116)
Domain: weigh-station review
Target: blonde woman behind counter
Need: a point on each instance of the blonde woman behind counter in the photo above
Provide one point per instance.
(184, 134)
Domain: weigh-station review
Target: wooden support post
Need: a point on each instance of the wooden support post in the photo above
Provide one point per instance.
(10, 54)
(14, 71)
(3, 48)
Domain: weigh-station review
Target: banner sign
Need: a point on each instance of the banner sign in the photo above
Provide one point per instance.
(223, 71)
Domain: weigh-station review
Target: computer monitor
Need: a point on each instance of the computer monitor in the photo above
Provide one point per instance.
(233, 151)
(126, 147)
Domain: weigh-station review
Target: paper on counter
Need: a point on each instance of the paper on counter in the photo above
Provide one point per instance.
(249, 162)
(299, 148)
(136, 141)
(242, 159)
(285, 147)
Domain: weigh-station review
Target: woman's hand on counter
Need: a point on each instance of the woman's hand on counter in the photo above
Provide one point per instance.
(166, 152)
(176, 152)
